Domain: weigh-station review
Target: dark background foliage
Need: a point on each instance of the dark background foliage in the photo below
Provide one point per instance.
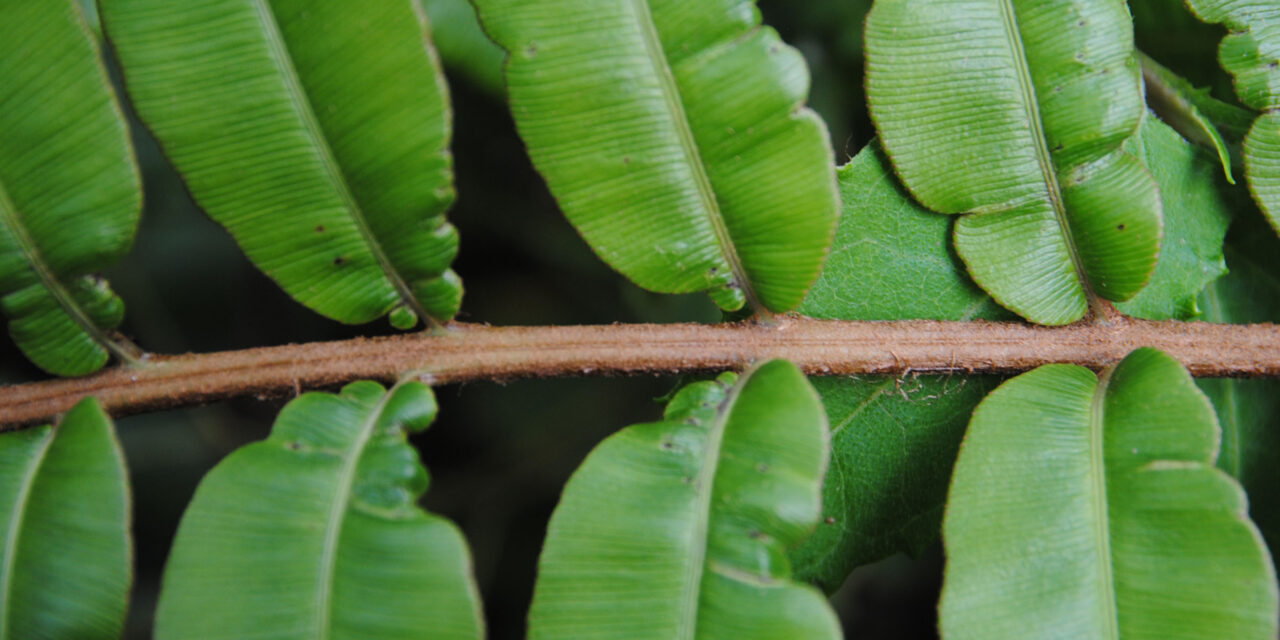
(499, 453)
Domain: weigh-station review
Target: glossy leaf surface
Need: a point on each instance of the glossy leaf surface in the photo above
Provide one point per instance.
(679, 529)
(673, 135)
(1090, 507)
(66, 564)
(1251, 54)
(69, 191)
(325, 157)
(315, 532)
(1014, 112)
(893, 440)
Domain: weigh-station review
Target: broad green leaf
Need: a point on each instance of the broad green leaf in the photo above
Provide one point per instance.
(69, 191)
(315, 532)
(1087, 507)
(893, 440)
(1184, 106)
(325, 157)
(66, 564)
(463, 45)
(890, 259)
(1251, 54)
(1197, 211)
(674, 137)
(1249, 409)
(1014, 113)
(679, 529)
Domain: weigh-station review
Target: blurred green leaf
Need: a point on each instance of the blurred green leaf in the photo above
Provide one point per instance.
(67, 559)
(679, 529)
(325, 157)
(69, 190)
(1086, 507)
(674, 138)
(315, 532)
(1249, 409)
(1197, 212)
(893, 440)
(464, 46)
(1251, 54)
(1015, 113)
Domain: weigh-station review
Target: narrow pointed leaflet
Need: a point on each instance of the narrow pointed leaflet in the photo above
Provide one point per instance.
(66, 561)
(326, 158)
(315, 532)
(678, 529)
(1251, 54)
(1194, 113)
(1013, 112)
(674, 136)
(69, 190)
(1088, 506)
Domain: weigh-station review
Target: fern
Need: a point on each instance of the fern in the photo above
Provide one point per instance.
(683, 155)
(675, 138)
(1024, 134)
(58, 227)
(1251, 52)
(327, 160)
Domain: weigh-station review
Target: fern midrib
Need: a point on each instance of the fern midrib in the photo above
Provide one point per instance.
(31, 253)
(880, 390)
(1101, 508)
(337, 515)
(302, 104)
(689, 144)
(15, 524)
(705, 485)
(1043, 156)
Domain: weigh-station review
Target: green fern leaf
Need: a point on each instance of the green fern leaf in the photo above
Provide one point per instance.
(66, 563)
(678, 529)
(463, 46)
(1014, 112)
(1193, 112)
(673, 135)
(1249, 409)
(1089, 507)
(1197, 212)
(314, 532)
(894, 439)
(69, 190)
(325, 157)
(1251, 53)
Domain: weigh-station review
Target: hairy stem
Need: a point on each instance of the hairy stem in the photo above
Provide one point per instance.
(474, 352)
